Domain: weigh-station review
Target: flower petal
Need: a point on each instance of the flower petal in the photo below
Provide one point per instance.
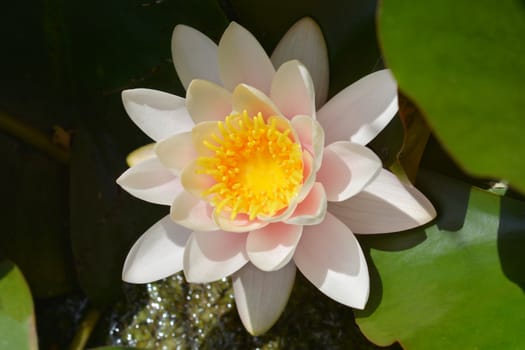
(149, 180)
(359, 112)
(240, 224)
(330, 257)
(312, 210)
(261, 296)
(292, 90)
(176, 152)
(207, 101)
(385, 205)
(193, 181)
(210, 256)
(202, 132)
(272, 247)
(253, 101)
(304, 42)
(194, 56)
(347, 168)
(311, 136)
(158, 114)
(157, 253)
(243, 60)
(192, 212)
(140, 154)
(308, 176)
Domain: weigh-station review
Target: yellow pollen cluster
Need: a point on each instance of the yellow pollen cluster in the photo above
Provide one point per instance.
(258, 168)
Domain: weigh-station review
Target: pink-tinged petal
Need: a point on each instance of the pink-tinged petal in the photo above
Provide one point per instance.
(330, 257)
(210, 256)
(311, 136)
(207, 101)
(192, 212)
(292, 90)
(141, 154)
(193, 181)
(312, 210)
(304, 42)
(194, 56)
(151, 182)
(176, 151)
(202, 132)
(385, 205)
(240, 224)
(272, 247)
(281, 214)
(158, 114)
(359, 112)
(157, 254)
(243, 60)
(253, 101)
(347, 168)
(261, 296)
(308, 176)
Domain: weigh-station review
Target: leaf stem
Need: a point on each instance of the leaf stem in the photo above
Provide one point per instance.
(84, 329)
(33, 137)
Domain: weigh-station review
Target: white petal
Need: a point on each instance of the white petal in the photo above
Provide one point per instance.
(347, 168)
(207, 101)
(194, 56)
(210, 256)
(262, 296)
(292, 90)
(141, 154)
(253, 101)
(311, 136)
(195, 182)
(330, 257)
(192, 212)
(359, 112)
(312, 209)
(202, 132)
(149, 180)
(243, 60)
(157, 253)
(385, 205)
(272, 247)
(240, 224)
(308, 176)
(304, 42)
(177, 151)
(158, 114)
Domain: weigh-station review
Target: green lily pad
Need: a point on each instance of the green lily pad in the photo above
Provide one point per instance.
(462, 64)
(17, 323)
(456, 284)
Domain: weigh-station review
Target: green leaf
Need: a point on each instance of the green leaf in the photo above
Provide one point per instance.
(462, 64)
(456, 284)
(348, 28)
(17, 323)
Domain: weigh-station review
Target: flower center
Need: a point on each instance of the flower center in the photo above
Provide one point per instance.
(258, 167)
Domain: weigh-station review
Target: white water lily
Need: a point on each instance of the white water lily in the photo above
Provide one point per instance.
(261, 181)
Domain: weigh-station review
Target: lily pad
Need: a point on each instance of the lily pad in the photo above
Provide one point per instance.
(456, 284)
(17, 323)
(462, 64)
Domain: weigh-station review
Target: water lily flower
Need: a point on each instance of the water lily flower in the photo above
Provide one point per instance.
(262, 176)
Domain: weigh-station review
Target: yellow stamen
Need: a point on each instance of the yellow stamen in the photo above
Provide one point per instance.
(258, 168)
